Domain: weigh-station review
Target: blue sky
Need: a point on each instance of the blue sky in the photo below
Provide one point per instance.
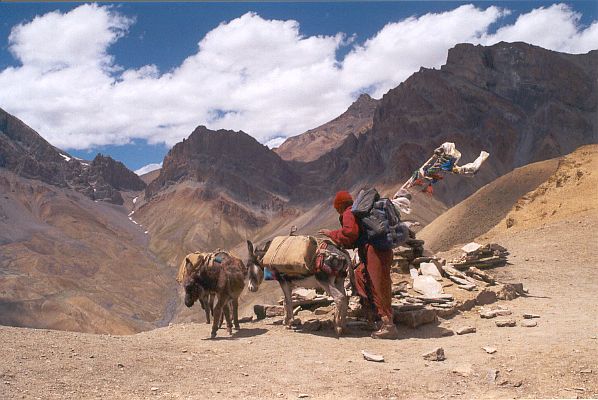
(128, 97)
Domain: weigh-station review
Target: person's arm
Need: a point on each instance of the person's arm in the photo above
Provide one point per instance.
(347, 235)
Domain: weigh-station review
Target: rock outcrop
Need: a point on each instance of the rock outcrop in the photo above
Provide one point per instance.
(229, 160)
(24, 152)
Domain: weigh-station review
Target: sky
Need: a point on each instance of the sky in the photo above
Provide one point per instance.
(131, 80)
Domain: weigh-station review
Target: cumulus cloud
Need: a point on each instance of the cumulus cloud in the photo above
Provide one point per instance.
(148, 168)
(556, 27)
(401, 48)
(78, 38)
(261, 76)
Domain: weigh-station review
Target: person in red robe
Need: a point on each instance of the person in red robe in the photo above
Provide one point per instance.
(372, 276)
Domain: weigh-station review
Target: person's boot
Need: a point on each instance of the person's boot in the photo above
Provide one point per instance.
(388, 330)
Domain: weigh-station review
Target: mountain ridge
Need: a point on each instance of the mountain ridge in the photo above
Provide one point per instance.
(316, 142)
(24, 152)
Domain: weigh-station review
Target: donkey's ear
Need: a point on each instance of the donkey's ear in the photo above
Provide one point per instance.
(250, 248)
(188, 266)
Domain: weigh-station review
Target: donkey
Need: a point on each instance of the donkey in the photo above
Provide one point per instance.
(332, 284)
(222, 275)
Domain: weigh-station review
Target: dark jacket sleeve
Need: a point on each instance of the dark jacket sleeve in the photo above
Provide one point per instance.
(348, 234)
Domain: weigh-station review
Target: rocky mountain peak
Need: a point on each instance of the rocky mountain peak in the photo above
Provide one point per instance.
(116, 174)
(363, 107)
(231, 160)
(24, 152)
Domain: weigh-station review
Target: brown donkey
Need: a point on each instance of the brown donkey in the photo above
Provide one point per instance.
(219, 274)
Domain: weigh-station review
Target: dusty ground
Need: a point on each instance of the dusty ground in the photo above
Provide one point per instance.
(555, 359)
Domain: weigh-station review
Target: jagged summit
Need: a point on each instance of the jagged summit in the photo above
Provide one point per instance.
(24, 152)
(232, 160)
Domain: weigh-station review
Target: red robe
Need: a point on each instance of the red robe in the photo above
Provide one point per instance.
(378, 264)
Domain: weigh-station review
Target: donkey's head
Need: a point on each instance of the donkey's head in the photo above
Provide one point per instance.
(255, 266)
(193, 289)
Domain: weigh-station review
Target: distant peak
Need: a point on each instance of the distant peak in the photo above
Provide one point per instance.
(364, 105)
(364, 98)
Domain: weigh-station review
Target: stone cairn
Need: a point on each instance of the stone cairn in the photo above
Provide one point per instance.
(418, 284)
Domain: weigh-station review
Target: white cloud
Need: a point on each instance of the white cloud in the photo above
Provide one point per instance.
(401, 48)
(80, 37)
(556, 27)
(275, 142)
(253, 74)
(148, 168)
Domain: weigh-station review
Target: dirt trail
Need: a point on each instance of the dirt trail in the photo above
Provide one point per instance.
(554, 359)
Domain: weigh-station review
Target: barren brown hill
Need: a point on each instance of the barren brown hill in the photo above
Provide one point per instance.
(481, 211)
(569, 195)
(530, 196)
(70, 263)
(215, 189)
(150, 176)
(69, 256)
(316, 142)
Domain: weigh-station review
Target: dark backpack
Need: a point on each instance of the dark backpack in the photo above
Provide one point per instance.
(379, 221)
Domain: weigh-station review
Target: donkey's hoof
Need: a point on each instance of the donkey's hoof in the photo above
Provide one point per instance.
(237, 328)
(213, 335)
(338, 330)
(293, 323)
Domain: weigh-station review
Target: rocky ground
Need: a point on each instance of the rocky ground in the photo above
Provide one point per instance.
(555, 359)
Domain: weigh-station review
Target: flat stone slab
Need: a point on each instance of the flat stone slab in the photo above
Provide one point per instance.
(413, 272)
(452, 271)
(489, 349)
(459, 280)
(305, 294)
(465, 330)
(505, 322)
(498, 312)
(471, 247)
(372, 357)
(530, 316)
(268, 311)
(428, 268)
(415, 318)
(311, 325)
(427, 285)
(463, 370)
(528, 323)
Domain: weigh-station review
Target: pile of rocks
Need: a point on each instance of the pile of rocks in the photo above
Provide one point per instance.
(418, 288)
(476, 255)
(302, 300)
(405, 255)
